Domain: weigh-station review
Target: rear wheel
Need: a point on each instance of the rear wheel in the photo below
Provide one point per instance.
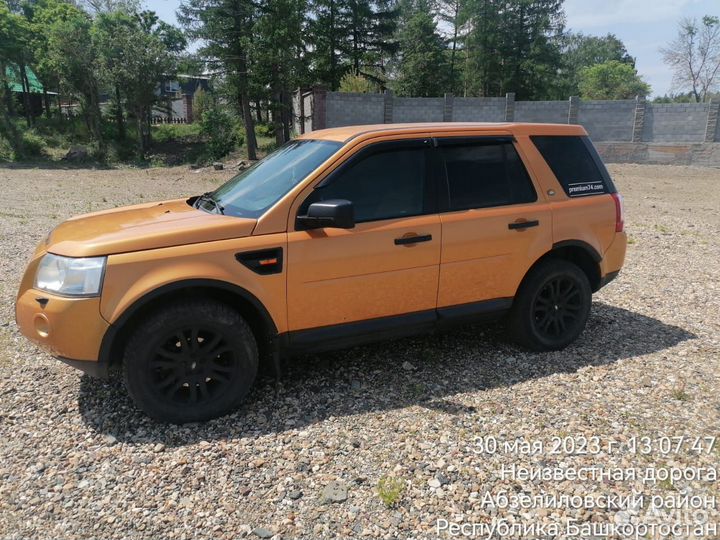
(552, 306)
(190, 361)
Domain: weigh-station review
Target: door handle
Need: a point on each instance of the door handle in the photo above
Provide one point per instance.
(406, 240)
(520, 225)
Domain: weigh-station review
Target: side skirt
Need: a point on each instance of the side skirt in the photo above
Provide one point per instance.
(347, 335)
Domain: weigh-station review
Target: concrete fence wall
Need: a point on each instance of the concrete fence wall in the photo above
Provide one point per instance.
(554, 112)
(608, 120)
(660, 133)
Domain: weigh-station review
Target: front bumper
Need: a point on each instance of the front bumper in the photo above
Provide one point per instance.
(69, 328)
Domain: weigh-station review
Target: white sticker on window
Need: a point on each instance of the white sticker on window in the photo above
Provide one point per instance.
(581, 189)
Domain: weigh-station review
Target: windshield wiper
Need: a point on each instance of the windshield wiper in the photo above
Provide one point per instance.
(207, 196)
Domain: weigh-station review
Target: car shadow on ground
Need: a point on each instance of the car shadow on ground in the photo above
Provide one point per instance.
(425, 371)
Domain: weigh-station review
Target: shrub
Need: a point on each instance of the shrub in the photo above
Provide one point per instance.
(32, 145)
(265, 129)
(221, 130)
(390, 490)
(201, 103)
(6, 150)
(172, 132)
(355, 84)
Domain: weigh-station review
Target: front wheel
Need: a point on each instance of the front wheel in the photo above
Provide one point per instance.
(552, 306)
(190, 361)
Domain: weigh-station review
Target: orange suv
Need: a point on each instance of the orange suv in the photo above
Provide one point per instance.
(339, 237)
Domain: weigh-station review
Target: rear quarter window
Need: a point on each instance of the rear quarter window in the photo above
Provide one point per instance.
(576, 164)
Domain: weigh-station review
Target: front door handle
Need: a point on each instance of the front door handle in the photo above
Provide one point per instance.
(405, 240)
(520, 225)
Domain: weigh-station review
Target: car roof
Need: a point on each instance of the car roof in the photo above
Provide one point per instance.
(347, 133)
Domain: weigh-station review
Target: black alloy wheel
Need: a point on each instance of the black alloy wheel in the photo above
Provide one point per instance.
(190, 361)
(551, 307)
(558, 307)
(193, 365)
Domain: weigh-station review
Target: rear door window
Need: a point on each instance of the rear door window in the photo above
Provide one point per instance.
(482, 174)
(575, 163)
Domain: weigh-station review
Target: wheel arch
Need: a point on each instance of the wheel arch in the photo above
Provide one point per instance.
(577, 252)
(253, 311)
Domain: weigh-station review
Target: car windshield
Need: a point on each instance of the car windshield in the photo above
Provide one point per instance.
(255, 190)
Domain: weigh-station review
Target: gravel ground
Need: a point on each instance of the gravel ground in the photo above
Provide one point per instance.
(304, 459)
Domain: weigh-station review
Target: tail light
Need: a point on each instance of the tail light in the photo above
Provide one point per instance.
(619, 219)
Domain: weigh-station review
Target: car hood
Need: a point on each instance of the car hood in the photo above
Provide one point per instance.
(143, 226)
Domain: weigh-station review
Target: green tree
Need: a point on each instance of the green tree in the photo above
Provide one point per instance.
(581, 51)
(351, 35)
(226, 27)
(16, 54)
(220, 129)
(11, 43)
(328, 41)
(278, 58)
(482, 65)
(372, 26)
(72, 53)
(449, 12)
(135, 58)
(423, 68)
(612, 80)
(513, 46)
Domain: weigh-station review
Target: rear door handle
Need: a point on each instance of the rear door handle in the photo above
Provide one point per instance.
(519, 225)
(405, 240)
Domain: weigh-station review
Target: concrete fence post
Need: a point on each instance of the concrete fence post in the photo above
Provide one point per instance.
(448, 107)
(319, 108)
(300, 117)
(510, 107)
(573, 109)
(712, 120)
(388, 110)
(638, 120)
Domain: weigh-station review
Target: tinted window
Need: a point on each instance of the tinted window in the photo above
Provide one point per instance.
(483, 175)
(576, 164)
(389, 184)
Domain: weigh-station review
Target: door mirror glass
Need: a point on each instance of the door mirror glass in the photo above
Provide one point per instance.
(334, 213)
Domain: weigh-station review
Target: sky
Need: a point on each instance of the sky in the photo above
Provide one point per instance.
(643, 25)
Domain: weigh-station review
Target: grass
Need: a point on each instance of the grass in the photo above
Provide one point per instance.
(162, 133)
(390, 490)
(666, 484)
(679, 392)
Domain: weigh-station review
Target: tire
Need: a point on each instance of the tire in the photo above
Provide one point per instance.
(173, 377)
(552, 306)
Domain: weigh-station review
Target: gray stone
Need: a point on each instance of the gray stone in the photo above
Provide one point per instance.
(109, 439)
(334, 492)
(262, 532)
(218, 166)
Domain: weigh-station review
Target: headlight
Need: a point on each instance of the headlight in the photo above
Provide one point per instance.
(70, 276)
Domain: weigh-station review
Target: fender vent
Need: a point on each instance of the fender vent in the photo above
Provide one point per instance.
(263, 262)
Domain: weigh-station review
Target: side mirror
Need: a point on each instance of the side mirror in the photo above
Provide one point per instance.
(334, 213)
